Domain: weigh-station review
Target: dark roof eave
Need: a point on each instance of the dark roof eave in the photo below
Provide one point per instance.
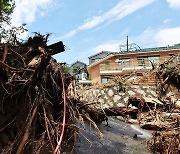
(100, 53)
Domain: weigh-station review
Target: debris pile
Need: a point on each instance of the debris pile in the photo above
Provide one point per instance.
(160, 115)
(164, 143)
(31, 98)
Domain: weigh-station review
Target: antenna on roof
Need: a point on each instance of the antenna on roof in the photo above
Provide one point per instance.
(128, 47)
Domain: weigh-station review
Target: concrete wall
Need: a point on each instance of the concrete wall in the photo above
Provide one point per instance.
(111, 96)
(95, 74)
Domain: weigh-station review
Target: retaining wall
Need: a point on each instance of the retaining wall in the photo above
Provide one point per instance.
(112, 96)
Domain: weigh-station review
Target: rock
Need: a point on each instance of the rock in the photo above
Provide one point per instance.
(131, 93)
(110, 93)
(120, 105)
(116, 98)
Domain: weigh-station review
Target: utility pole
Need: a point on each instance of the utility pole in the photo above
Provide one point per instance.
(127, 45)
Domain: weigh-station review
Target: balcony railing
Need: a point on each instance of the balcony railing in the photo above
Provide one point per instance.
(132, 65)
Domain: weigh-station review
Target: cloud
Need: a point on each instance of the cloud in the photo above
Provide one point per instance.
(109, 46)
(26, 11)
(168, 36)
(69, 34)
(121, 10)
(167, 21)
(148, 38)
(175, 4)
(143, 40)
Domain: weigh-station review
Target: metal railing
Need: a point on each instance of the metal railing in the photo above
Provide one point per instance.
(134, 64)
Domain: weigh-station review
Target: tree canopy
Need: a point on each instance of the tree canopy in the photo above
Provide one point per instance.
(6, 5)
(6, 9)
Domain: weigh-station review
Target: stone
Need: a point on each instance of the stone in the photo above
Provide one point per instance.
(126, 99)
(148, 91)
(105, 106)
(116, 98)
(110, 93)
(111, 104)
(122, 94)
(101, 100)
(154, 93)
(115, 88)
(102, 92)
(145, 87)
(150, 96)
(120, 105)
(135, 87)
(94, 93)
(142, 92)
(105, 97)
(131, 92)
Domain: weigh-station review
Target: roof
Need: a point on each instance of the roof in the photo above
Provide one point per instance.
(108, 52)
(77, 62)
(152, 49)
(95, 63)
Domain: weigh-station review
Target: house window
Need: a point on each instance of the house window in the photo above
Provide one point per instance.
(107, 65)
(154, 58)
(105, 79)
(95, 60)
(125, 62)
(144, 60)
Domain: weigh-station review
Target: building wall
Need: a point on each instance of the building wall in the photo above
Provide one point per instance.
(95, 74)
(95, 70)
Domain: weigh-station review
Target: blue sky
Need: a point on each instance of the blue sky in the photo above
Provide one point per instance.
(90, 26)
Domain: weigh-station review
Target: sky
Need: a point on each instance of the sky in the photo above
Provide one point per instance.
(87, 27)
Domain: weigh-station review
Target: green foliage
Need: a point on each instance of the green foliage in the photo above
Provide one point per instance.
(170, 70)
(6, 9)
(7, 5)
(11, 33)
(76, 69)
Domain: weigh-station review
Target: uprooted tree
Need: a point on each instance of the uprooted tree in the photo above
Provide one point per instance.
(31, 103)
(33, 97)
(33, 93)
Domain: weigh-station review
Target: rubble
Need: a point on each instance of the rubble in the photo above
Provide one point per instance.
(159, 114)
(162, 114)
(164, 143)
